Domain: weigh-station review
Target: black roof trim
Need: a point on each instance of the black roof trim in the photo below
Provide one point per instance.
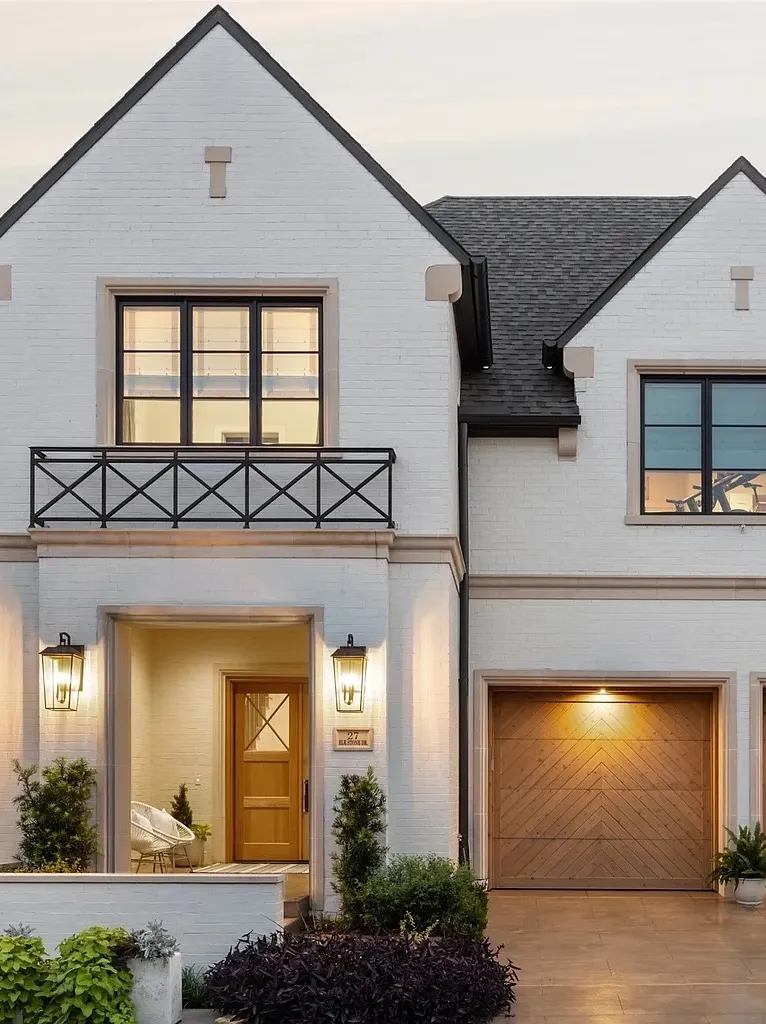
(551, 351)
(474, 338)
(491, 420)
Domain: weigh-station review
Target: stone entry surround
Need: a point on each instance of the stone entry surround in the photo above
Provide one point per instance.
(632, 957)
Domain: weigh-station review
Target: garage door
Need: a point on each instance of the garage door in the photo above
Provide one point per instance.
(601, 791)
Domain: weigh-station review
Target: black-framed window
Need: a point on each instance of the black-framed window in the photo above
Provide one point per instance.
(703, 445)
(202, 371)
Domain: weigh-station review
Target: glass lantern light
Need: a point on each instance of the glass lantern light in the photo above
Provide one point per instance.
(350, 667)
(62, 668)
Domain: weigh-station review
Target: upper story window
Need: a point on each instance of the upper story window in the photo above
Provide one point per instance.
(229, 371)
(703, 444)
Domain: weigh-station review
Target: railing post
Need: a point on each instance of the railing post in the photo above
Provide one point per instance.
(32, 488)
(246, 525)
(391, 523)
(318, 521)
(103, 489)
(175, 489)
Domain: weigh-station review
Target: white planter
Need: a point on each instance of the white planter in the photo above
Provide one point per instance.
(750, 891)
(196, 854)
(156, 992)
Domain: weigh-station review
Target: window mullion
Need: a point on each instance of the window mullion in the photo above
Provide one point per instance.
(256, 416)
(707, 446)
(187, 370)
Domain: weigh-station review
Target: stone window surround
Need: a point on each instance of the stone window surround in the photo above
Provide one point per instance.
(722, 683)
(108, 289)
(636, 369)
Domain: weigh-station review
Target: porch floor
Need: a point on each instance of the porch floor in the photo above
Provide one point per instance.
(632, 958)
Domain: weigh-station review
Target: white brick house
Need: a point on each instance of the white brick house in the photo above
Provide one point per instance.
(258, 384)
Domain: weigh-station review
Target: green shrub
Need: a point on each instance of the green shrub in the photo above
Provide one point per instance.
(89, 980)
(194, 989)
(23, 964)
(55, 816)
(429, 894)
(744, 856)
(180, 808)
(360, 809)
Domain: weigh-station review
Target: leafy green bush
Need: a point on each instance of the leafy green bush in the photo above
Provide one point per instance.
(23, 964)
(430, 894)
(55, 816)
(89, 980)
(360, 809)
(744, 856)
(195, 995)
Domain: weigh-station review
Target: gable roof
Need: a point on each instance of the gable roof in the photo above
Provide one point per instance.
(471, 315)
(740, 166)
(549, 259)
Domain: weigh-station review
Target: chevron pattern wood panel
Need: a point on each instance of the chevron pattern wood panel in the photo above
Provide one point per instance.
(610, 793)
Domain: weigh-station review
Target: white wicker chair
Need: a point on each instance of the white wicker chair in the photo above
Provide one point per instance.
(168, 829)
(145, 841)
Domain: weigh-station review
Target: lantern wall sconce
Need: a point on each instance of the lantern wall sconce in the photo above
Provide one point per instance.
(350, 667)
(62, 668)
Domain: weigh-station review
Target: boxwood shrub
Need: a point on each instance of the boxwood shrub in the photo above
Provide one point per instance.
(433, 893)
(361, 979)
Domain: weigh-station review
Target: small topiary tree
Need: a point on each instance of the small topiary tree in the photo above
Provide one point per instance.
(55, 816)
(360, 809)
(181, 808)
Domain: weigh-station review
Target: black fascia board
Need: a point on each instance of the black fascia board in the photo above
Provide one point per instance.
(490, 421)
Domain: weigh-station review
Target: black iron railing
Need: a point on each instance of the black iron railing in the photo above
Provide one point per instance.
(237, 486)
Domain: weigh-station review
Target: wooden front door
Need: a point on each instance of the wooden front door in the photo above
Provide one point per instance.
(267, 770)
(613, 794)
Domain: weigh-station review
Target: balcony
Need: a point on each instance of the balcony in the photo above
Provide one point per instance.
(203, 487)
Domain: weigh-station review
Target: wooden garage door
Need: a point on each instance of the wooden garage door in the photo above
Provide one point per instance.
(601, 792)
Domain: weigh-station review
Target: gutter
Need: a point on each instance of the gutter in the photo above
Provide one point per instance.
(464, 852)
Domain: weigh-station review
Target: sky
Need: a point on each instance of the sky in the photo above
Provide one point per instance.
(460, 98)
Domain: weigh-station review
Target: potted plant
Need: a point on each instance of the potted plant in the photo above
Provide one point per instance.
(743, 865)
(156, 968)
(202, 833)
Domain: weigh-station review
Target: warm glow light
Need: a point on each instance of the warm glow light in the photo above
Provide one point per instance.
(350, 667)
(62, 670)
(602, 691)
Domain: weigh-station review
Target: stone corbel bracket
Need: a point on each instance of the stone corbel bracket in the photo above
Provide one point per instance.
(444, 282)
(217, 157)
(6, 282)
(579, 364)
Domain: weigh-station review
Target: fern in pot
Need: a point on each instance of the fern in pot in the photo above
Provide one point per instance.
(743, 865)
(155, 964)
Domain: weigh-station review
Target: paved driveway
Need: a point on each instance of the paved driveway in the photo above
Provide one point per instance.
(645, 958)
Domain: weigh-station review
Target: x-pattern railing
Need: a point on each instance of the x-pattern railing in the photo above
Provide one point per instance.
(177, 486)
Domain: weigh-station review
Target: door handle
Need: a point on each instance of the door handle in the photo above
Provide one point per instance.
(305, 796)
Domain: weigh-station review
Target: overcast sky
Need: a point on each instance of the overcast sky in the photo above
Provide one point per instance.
(469, 97)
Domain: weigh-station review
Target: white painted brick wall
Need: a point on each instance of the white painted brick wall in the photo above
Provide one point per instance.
(422, 711)
(18, 688)
(629, 636)
(298, 205)
(531, 513)
(207, 915)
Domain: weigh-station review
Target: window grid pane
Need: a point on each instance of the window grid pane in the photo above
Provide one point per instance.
(222, 383)
(728, 445)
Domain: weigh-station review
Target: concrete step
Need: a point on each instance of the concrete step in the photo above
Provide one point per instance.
(294, 925)
(298, 907)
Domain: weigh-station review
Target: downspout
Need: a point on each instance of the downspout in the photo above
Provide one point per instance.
(464, 851)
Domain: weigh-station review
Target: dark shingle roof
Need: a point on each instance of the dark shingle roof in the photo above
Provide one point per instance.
(549, 259)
